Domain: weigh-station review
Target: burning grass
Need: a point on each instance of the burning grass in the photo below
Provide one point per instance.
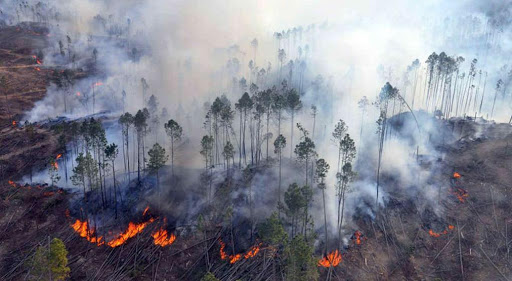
(82, 228)
(252, 252)
(439, 234)
(160, 237)
(332, 259)
(132, 230)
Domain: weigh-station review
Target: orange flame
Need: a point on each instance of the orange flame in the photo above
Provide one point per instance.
(13, 184)
(223, 254)
(330, 260)
(83, 230)
(37, 68)
(145, 211)
(444, 232)
(357, 236)
(235, 258)
(161, 238)
(460, 193)
(456, 175)
(55, 165)
(14, 123)
(132, 230)
(58, 156)
(253, 251)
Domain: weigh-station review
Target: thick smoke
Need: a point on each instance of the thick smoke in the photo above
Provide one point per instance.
(182, 49)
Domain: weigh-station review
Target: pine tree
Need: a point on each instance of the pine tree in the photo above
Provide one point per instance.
(279, 145)
(50, 263)
(157, 159)
(174, 131)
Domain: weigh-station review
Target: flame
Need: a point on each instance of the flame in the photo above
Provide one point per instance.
(161, 238)
(253, 251)
(145, 211)
(235, 258)
(444, 232)
(14, 123)
(55, 165)
(58, 156)
(357, 236)
(37, 60)
(83, 230)
(37, 68)
(460, 193)
(223, 254)
(13, 184)
(456, 175)
(330, 260)
(132, 230)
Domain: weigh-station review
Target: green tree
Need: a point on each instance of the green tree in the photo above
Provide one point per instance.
(340, 129)
(345, 176)
(139, 121)
(53, 172)
(50, 263)
(295, 201)
(344, 179)
(244, 105)
(157, 159)
(300, 262)
(207, 152)
(126, 121)
(279, 145)
(84, 172)
(272, 231)
(293, 104)
(322, 167)
(174, 131)
(228, 153)
(305, 150)
(111, 152)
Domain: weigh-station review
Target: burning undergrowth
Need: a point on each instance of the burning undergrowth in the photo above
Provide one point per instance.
(161, 237)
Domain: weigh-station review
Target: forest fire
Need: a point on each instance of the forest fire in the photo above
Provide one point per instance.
(37, 60)
(14, 123)
(460, 193)
(82, 228)
(223, 254)
(332, 259)
(132, 230)
(252, 252)
(162, 238)
(37, 68)
(357, 237)
(444, 232)
(13, 184)
(456, 175)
